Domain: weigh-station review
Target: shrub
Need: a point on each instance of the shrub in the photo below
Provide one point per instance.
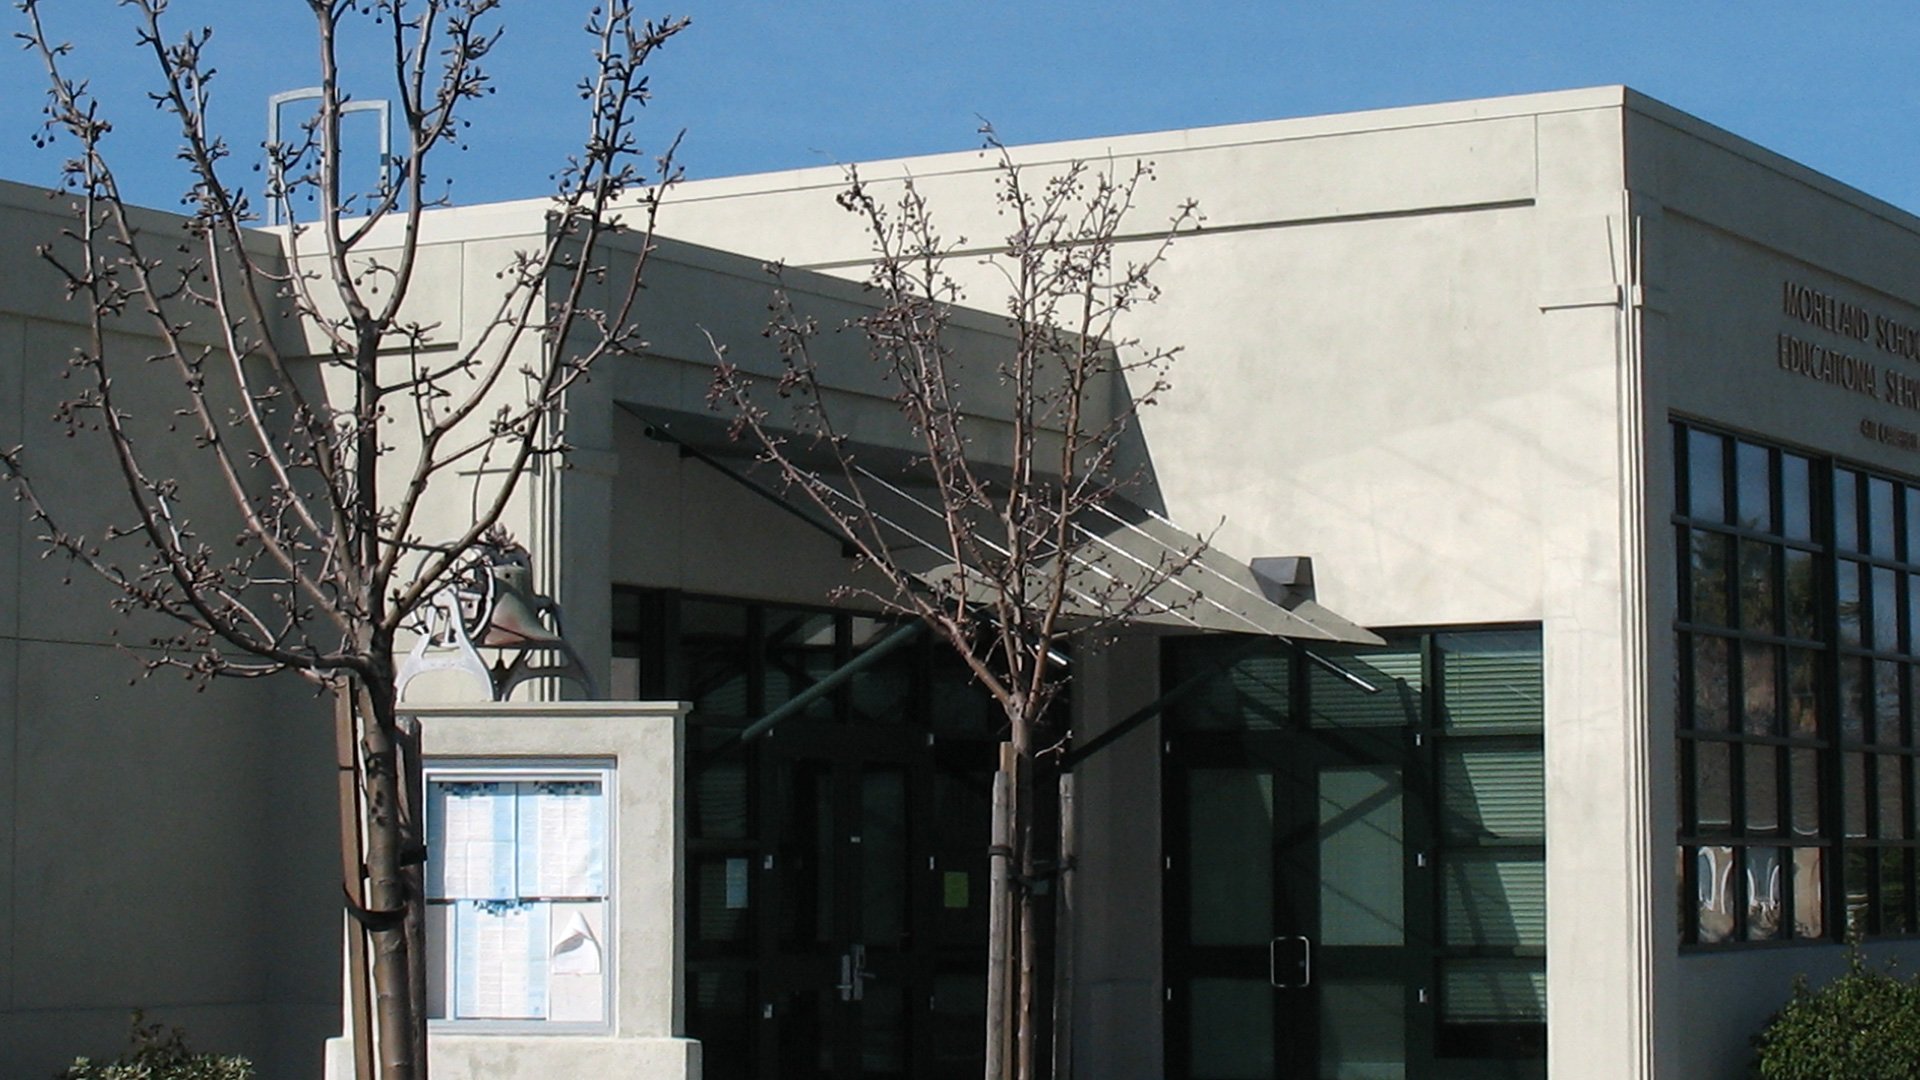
(155, 1052)
(1864, 1025)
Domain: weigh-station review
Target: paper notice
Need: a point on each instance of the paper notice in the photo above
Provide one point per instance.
(501, 970)
(562, 839)
(472, 841)
(576, 950)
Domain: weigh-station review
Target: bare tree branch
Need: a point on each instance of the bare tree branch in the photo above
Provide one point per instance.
(1014, 485)
(292, 362)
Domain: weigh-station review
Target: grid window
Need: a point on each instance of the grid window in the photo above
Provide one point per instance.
(1798, 583)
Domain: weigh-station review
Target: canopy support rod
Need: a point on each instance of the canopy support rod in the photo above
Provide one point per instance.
(1159, 705)
(905, 635)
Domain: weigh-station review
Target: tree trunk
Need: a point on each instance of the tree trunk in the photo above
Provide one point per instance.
(1000, 919)
(353, 880)
(1026, 945)
(413, 875)
(1063, 931)
(390, 893)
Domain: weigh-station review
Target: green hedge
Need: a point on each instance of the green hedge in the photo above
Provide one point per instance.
(155, 1052)
(1864, 1025)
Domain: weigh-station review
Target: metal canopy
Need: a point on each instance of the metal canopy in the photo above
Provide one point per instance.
(1126, 546)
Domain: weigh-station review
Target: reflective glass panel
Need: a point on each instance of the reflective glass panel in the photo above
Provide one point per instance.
(1491, 678)
(1713, 785)
(1911, 497)
(960, 707)
(1753, 479)
(713, 651)
(721, 1006)
(1880, 520)
(1756, 586)
(1887, 727)
(1373, 689)
(1493, 898)
(1363, 1030)
(1893, 890)
(1796, 496)
(799, 652)
(1232, 1025)
(1804, 791)
(1763, 790)
(1492, 792)
(1890, 792)
(1809, 893)
(806, 832)
(1803, 595)
(1848, 604)
(1230, 833)
(1711, 683)
(1803, 716)
(881, 852)
(1256, 692)
(1708, 575)
(1846, 510)
(882, 693)
(1856, 682)
(1766, 893)
(1481, 991)
(1859, 889)
(1706, 471)
(720, 801)
(1759, 665)
(959, 1012)
(883, 1032)
(722, 901)
(1886, 610)
(1361, 860)
(1913, 602)
(1853, 778)
(1717, 888)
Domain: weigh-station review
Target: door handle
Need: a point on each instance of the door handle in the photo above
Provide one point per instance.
(854, 973)
(1290, 963)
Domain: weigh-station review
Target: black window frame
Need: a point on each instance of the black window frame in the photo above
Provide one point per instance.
(1833, 707)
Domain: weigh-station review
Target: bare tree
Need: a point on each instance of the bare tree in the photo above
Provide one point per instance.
(1017, 464)
(322, 420)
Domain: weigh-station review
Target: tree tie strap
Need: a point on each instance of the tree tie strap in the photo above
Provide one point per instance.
(377, 921)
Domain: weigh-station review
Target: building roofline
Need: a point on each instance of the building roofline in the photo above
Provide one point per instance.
(1688, 124)
(1173, 140)
(1627, 99)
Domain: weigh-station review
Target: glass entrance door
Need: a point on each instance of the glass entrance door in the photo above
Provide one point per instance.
(1355, 851)
(836, 866)
(1296, 958)
(840, 971)
(1291, 860)
(875, 868)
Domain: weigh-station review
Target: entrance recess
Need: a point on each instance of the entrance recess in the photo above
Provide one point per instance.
(837, 862)
(874, 864)
(1344, 898)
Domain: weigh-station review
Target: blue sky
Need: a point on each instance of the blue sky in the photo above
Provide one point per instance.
(774, 84)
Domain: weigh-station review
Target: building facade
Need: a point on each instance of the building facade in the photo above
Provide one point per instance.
(1603, 419)
(1465, 356)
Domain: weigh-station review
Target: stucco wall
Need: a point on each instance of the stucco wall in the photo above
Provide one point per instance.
(157, 842)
